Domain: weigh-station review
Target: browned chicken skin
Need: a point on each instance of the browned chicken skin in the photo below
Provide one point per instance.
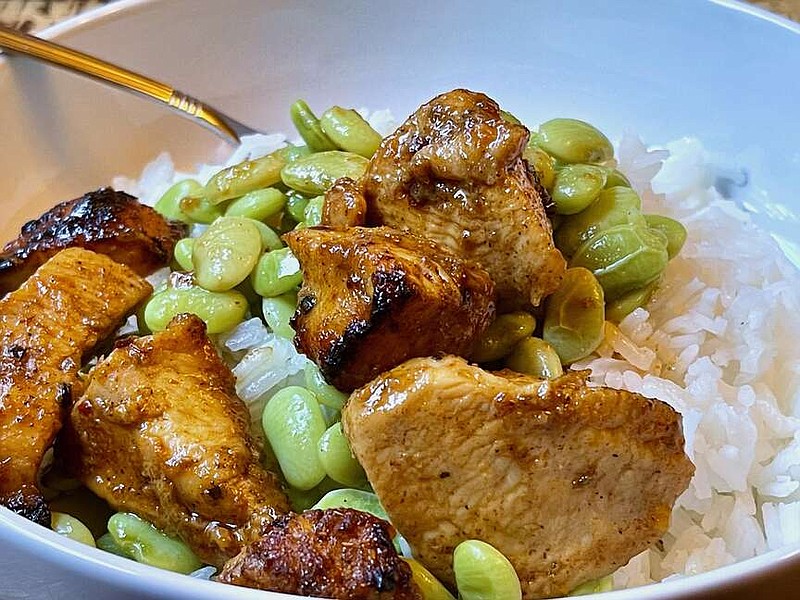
(454, 173)
(333, 553)
(104, 221)
(568, 481)
(160, 432)
(372, 298)
(57, 316)
(345, 205)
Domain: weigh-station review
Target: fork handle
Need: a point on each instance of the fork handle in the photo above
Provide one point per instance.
(105, 72)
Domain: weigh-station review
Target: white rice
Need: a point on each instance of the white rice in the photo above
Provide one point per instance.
(718, 342)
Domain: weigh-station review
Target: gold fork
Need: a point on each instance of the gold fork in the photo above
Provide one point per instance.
(78, 62)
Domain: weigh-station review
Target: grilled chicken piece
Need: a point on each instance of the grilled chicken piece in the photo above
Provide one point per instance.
(160, 432)
(373, 298)
(568, 481)
(71, 303)
(333, 553)
(105, 221)
(454, 173)
(345, 205)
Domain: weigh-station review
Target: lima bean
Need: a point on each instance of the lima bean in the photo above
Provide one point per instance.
(142, 542)
(483, 573)
(69, 526)
(618, 309)
(278, 312)
(616, 178)
(269, 239)
(221, 311)
(623, 258)
(502, 335)
(183, 253)
(356, 499)
(277, 272)
(106, 543)
(672, 229)
(296, 205)
(308, 126)
(316, 173)
(574, 141)
(575, 315)
(258, 204)
(293, 424)
(535, 357)
(251, 175)
(337, 459)
(312, 215)
(576, 187)
(431, 588)
(614, 206)
(349, 131)
(225, 253)
(325, 392)
(169, 203)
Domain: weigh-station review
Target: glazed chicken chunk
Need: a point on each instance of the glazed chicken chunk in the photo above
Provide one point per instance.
(372, 298)
(160, 432)
(333, 553)
(454, 173)
(104, 221)
(75, 300)
(568, 481)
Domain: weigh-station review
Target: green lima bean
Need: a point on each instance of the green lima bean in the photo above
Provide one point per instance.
(250, 175)
(574, 141)
(259, 205)
(502, 335)
(614, 206)
(618, 309)
(483, 573)
(349, 131)
(278, 312)
(337, 459)
(142, 542)
(316, 173)
(674, 231)
(308, 126)
(535, 357)
(325, 392)
(293, 424)
(575, 316)
(623, 258)
(277, 272)
(71, 527)
(576, 187)
(183, 253)
(226, 253)
(221, 311)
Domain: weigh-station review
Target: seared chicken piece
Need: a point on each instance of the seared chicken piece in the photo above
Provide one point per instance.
(333, 553)
(345, 205)
(568, 481)
(373, 298)
(160, 432)
(71, 303)
(454, 173)
(105, 221)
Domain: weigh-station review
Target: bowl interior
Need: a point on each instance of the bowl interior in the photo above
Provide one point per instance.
(715, 70)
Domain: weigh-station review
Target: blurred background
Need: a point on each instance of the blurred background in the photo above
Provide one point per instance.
(34, 15)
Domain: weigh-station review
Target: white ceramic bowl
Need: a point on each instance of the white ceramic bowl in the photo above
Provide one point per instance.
(721, 71)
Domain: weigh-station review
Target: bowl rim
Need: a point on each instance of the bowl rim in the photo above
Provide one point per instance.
(130, 574)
